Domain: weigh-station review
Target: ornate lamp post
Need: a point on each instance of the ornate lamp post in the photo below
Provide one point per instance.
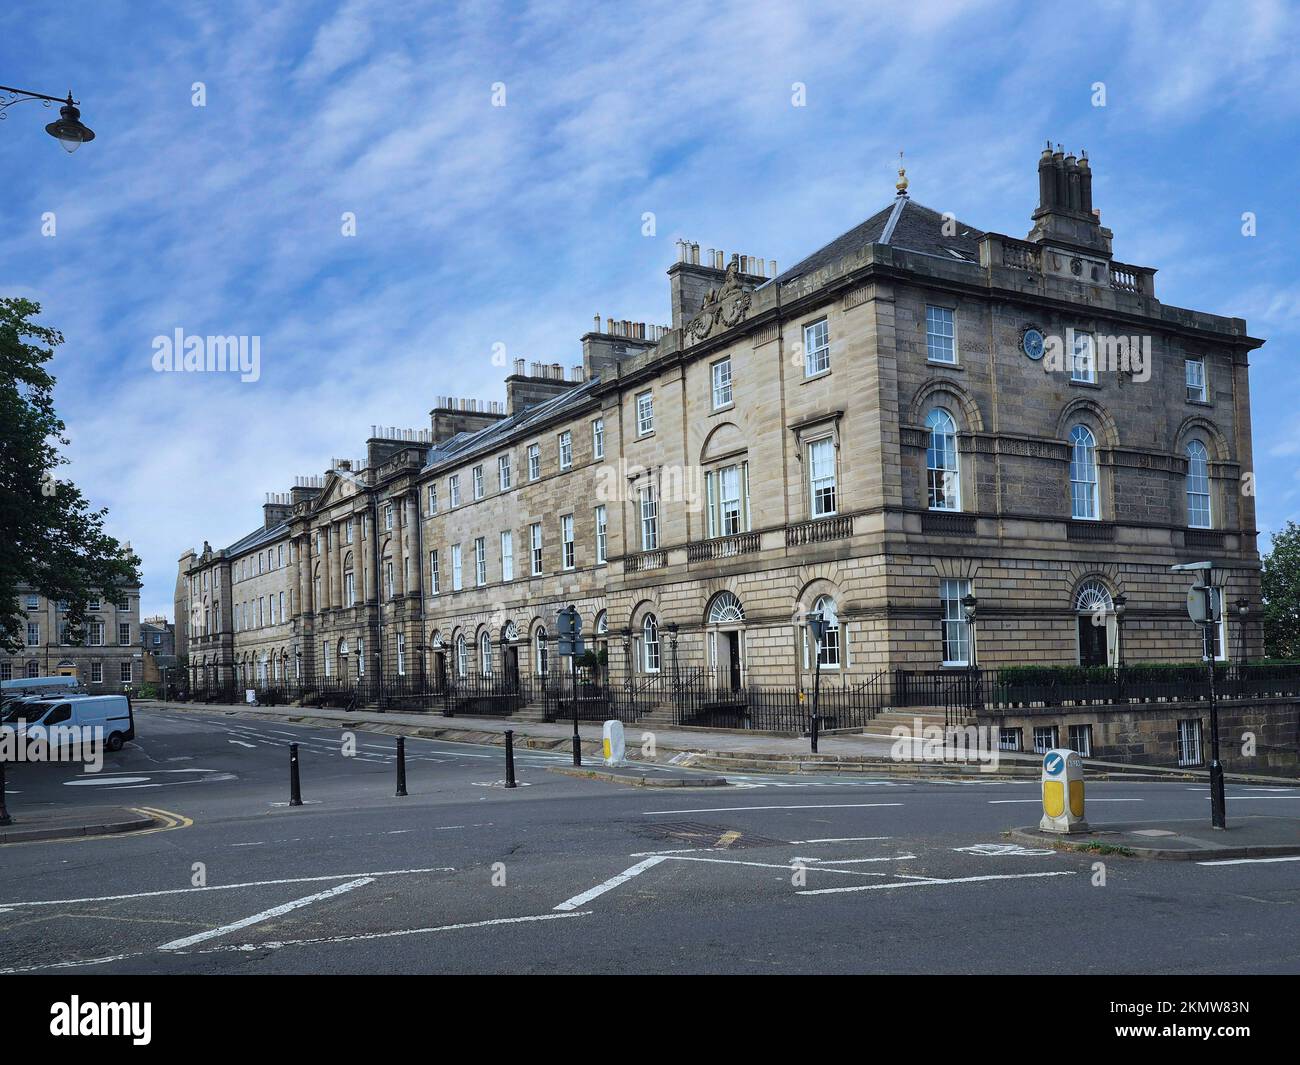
(68, 130)
(1121, 604)
(627, 656)
(816, 621)
(969, 606)
(1243, 612)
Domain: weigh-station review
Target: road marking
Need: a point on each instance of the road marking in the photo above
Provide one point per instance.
(727, 839)
(1261, 796)
(611, 883)
(735, 809)
(279, 944)
(843, 839)
(864, 861)
(933, 882)
(998, 849)
(1252, 861)
(1003, 802)
(266, 915)
(241, 743)
(787, 867)
(229, 887)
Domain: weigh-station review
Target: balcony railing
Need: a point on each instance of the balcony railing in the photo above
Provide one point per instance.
(948, 524)
(1096, 532)
(723, 547)
(645, 560)
(817, 532)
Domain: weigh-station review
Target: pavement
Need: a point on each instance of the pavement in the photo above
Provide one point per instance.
(774, 872)
(63, 822)
(1252, 836)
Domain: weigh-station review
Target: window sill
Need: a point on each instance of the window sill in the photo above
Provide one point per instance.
(1085, 384)
(724, 408)
(815, 376)
(945, 365)
(1199, 403)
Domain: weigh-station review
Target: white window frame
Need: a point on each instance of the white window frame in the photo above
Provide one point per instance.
(477, 481)
(942, 461)
(822, 482)
(1046, 738)
(954, 629)
(535, 548)
(1200, 507)
(1198, 388)
(1083, 358)
(453, 490)
(534, 461)
(503, 472)
(817, 348)
(941, 335)
(1085, 475)
(507, 555)
(1076, 732)
(648, 513)
(645, 413)
(720, 375)
(1190, 746)
(568, 557)
(651, 658)
(456, 575)
(566, 450)
(602, 535)
(435, 585)
(598, 438)
(480, 561)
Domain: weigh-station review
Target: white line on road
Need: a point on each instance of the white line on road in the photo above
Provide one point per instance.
(934, 882)
(229, 887)
(281, 943)
(1004, 802)
(1252, 861)
(611, 883)
(843, 839)
(266, 915)
(801, 806)
(241, 743)
(787, 867)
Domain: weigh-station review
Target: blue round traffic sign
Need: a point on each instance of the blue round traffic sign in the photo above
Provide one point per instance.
(1053, 763)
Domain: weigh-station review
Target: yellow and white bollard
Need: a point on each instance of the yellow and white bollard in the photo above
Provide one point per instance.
(614, 745)
(1062, 792)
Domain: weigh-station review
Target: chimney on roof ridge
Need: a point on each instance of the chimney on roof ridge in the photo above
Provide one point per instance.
(1065, 216)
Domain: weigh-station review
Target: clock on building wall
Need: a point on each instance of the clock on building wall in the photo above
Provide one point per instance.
(1032, 342)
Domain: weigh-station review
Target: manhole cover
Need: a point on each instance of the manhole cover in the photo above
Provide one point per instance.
(695, 834)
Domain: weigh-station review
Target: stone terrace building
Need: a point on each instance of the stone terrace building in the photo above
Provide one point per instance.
(918, 412)
(107, 660)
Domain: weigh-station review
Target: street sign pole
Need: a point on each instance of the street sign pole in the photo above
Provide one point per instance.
(1218, 801)
(1205, 606)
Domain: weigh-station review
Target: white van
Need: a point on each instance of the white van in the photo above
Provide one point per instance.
(111, 713)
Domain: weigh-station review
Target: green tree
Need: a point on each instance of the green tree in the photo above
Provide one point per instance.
(50, 540)
(1281, 586)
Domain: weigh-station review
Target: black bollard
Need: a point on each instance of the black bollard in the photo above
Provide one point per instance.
(295, 786)
(510, 759)
(401, 766)
(5, 819)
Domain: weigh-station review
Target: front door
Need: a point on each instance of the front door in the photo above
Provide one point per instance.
(512, 666)
(1092, 642)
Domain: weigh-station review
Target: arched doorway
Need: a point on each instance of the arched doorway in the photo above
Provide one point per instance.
(1095, 610)
(726, 636)
(510, 654)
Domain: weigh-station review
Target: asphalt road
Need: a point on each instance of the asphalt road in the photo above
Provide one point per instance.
(773, 874)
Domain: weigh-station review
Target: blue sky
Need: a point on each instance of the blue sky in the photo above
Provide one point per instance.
(478, 225)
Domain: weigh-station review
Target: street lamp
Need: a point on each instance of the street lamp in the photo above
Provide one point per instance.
(626, 634)
(968, 605)
(68, 130)
(817, 627)
(1121, 604)
(1243, 612)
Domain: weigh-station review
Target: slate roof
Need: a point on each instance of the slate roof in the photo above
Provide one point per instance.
(484, 438)
(903, 224)
(257, 538)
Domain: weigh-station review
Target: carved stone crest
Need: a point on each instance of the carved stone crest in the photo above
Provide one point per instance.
(727, 306)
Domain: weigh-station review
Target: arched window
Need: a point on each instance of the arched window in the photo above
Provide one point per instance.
(485, 653)
(1084, 502)
(1199, 515)
(943, 478)
(462, 656)
(828, 650)
(650, 644)
(602, 623)
(1093, 597)
(726, 607)
(510, 633)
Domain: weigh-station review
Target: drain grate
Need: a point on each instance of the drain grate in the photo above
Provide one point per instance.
(695, 834)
